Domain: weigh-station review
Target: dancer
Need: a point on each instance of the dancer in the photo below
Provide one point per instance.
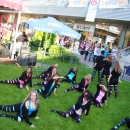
(23, 80)
(46, 73)
(49, 74)
(100, 96)
(51, 86)
(114, 78)
(98, 66)
(80, 87)
(28, 108)
(82, 105)
(71, 76)
(106, 69)
(124, 121)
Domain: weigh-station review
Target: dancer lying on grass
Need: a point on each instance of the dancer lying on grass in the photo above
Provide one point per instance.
(51, 86)
(23, 80)
(100, 96)
(82, 86)
(44, 75)
(71, 76)
(124, 121)
(82, 105)
(28, 108)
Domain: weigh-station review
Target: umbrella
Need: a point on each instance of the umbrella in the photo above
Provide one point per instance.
(51, 25)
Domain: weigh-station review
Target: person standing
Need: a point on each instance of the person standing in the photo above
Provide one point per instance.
(114, 78)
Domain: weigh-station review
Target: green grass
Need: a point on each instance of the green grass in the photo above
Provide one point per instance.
(99, 118)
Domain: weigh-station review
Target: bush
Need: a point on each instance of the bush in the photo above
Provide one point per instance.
(69, 57)
(56, 51)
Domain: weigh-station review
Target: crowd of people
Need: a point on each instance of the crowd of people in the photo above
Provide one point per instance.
(52, 81)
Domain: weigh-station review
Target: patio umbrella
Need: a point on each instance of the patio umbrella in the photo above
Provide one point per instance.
(51, 25)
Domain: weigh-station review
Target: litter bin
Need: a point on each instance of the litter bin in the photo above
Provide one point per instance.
(32, 59)
(23, 59)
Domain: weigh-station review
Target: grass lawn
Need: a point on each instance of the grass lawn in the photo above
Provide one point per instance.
(99, 118)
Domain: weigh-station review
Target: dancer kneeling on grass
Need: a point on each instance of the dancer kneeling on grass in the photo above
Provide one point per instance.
(71, 76)
(23, 80)
(114, 78)
(80, 87)
(28, 108)
(124, 121)
(50, 74)
(82, 105)
(47, 73)
(100, 96)
(52, 84)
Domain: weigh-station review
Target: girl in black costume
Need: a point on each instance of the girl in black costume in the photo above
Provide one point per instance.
(82, 105)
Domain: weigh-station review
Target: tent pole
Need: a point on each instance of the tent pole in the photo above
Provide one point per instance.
(17, 27)
(46, 35)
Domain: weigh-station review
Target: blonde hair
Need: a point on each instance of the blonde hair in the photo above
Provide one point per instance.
(88, 78)
(75, 69)
(37, 101)
(117, 67)
(104, 86)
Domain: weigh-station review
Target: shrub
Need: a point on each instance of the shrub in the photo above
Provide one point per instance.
(56, 51)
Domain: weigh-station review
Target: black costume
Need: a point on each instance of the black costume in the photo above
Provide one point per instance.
(80, 87)
(44, 75)
(47, 89)
(76, 110)
(98, 67)
(114, 82)
(70, 77)
(23, 80)
(124, 121)
(22, 112)
(106, 71)
(99, 97)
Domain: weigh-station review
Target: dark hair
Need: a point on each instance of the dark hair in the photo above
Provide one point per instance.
(30, 68)
(102, 52)
(88, 95)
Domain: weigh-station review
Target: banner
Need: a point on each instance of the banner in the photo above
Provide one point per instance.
(92, 10)
(78, 3)
(113, 4)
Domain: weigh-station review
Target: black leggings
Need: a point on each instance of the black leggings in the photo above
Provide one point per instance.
(68, 80)
(115, 85)
(14, 81)
(12, 108)
(102, 77)
(71, 112)
(99, 74)
(76, 88)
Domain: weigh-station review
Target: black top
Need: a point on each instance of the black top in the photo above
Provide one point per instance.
(82, 84)
(26, 79)
(79, 105)
(50, 69)
(99, 62)
(25, 114)
(107, 65)
(49, 88)
(115, 76)
(97, 93)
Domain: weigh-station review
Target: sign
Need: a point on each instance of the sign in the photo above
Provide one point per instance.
(84, 27)
(92, 10)
(110, 39)
(78, 3)
(113, 3)
(12, 4)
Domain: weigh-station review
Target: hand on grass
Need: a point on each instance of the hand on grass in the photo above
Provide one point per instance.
(32, 126)
(37, 118)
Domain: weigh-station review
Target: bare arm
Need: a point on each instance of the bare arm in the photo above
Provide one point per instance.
(55, 92)
(109, 77)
